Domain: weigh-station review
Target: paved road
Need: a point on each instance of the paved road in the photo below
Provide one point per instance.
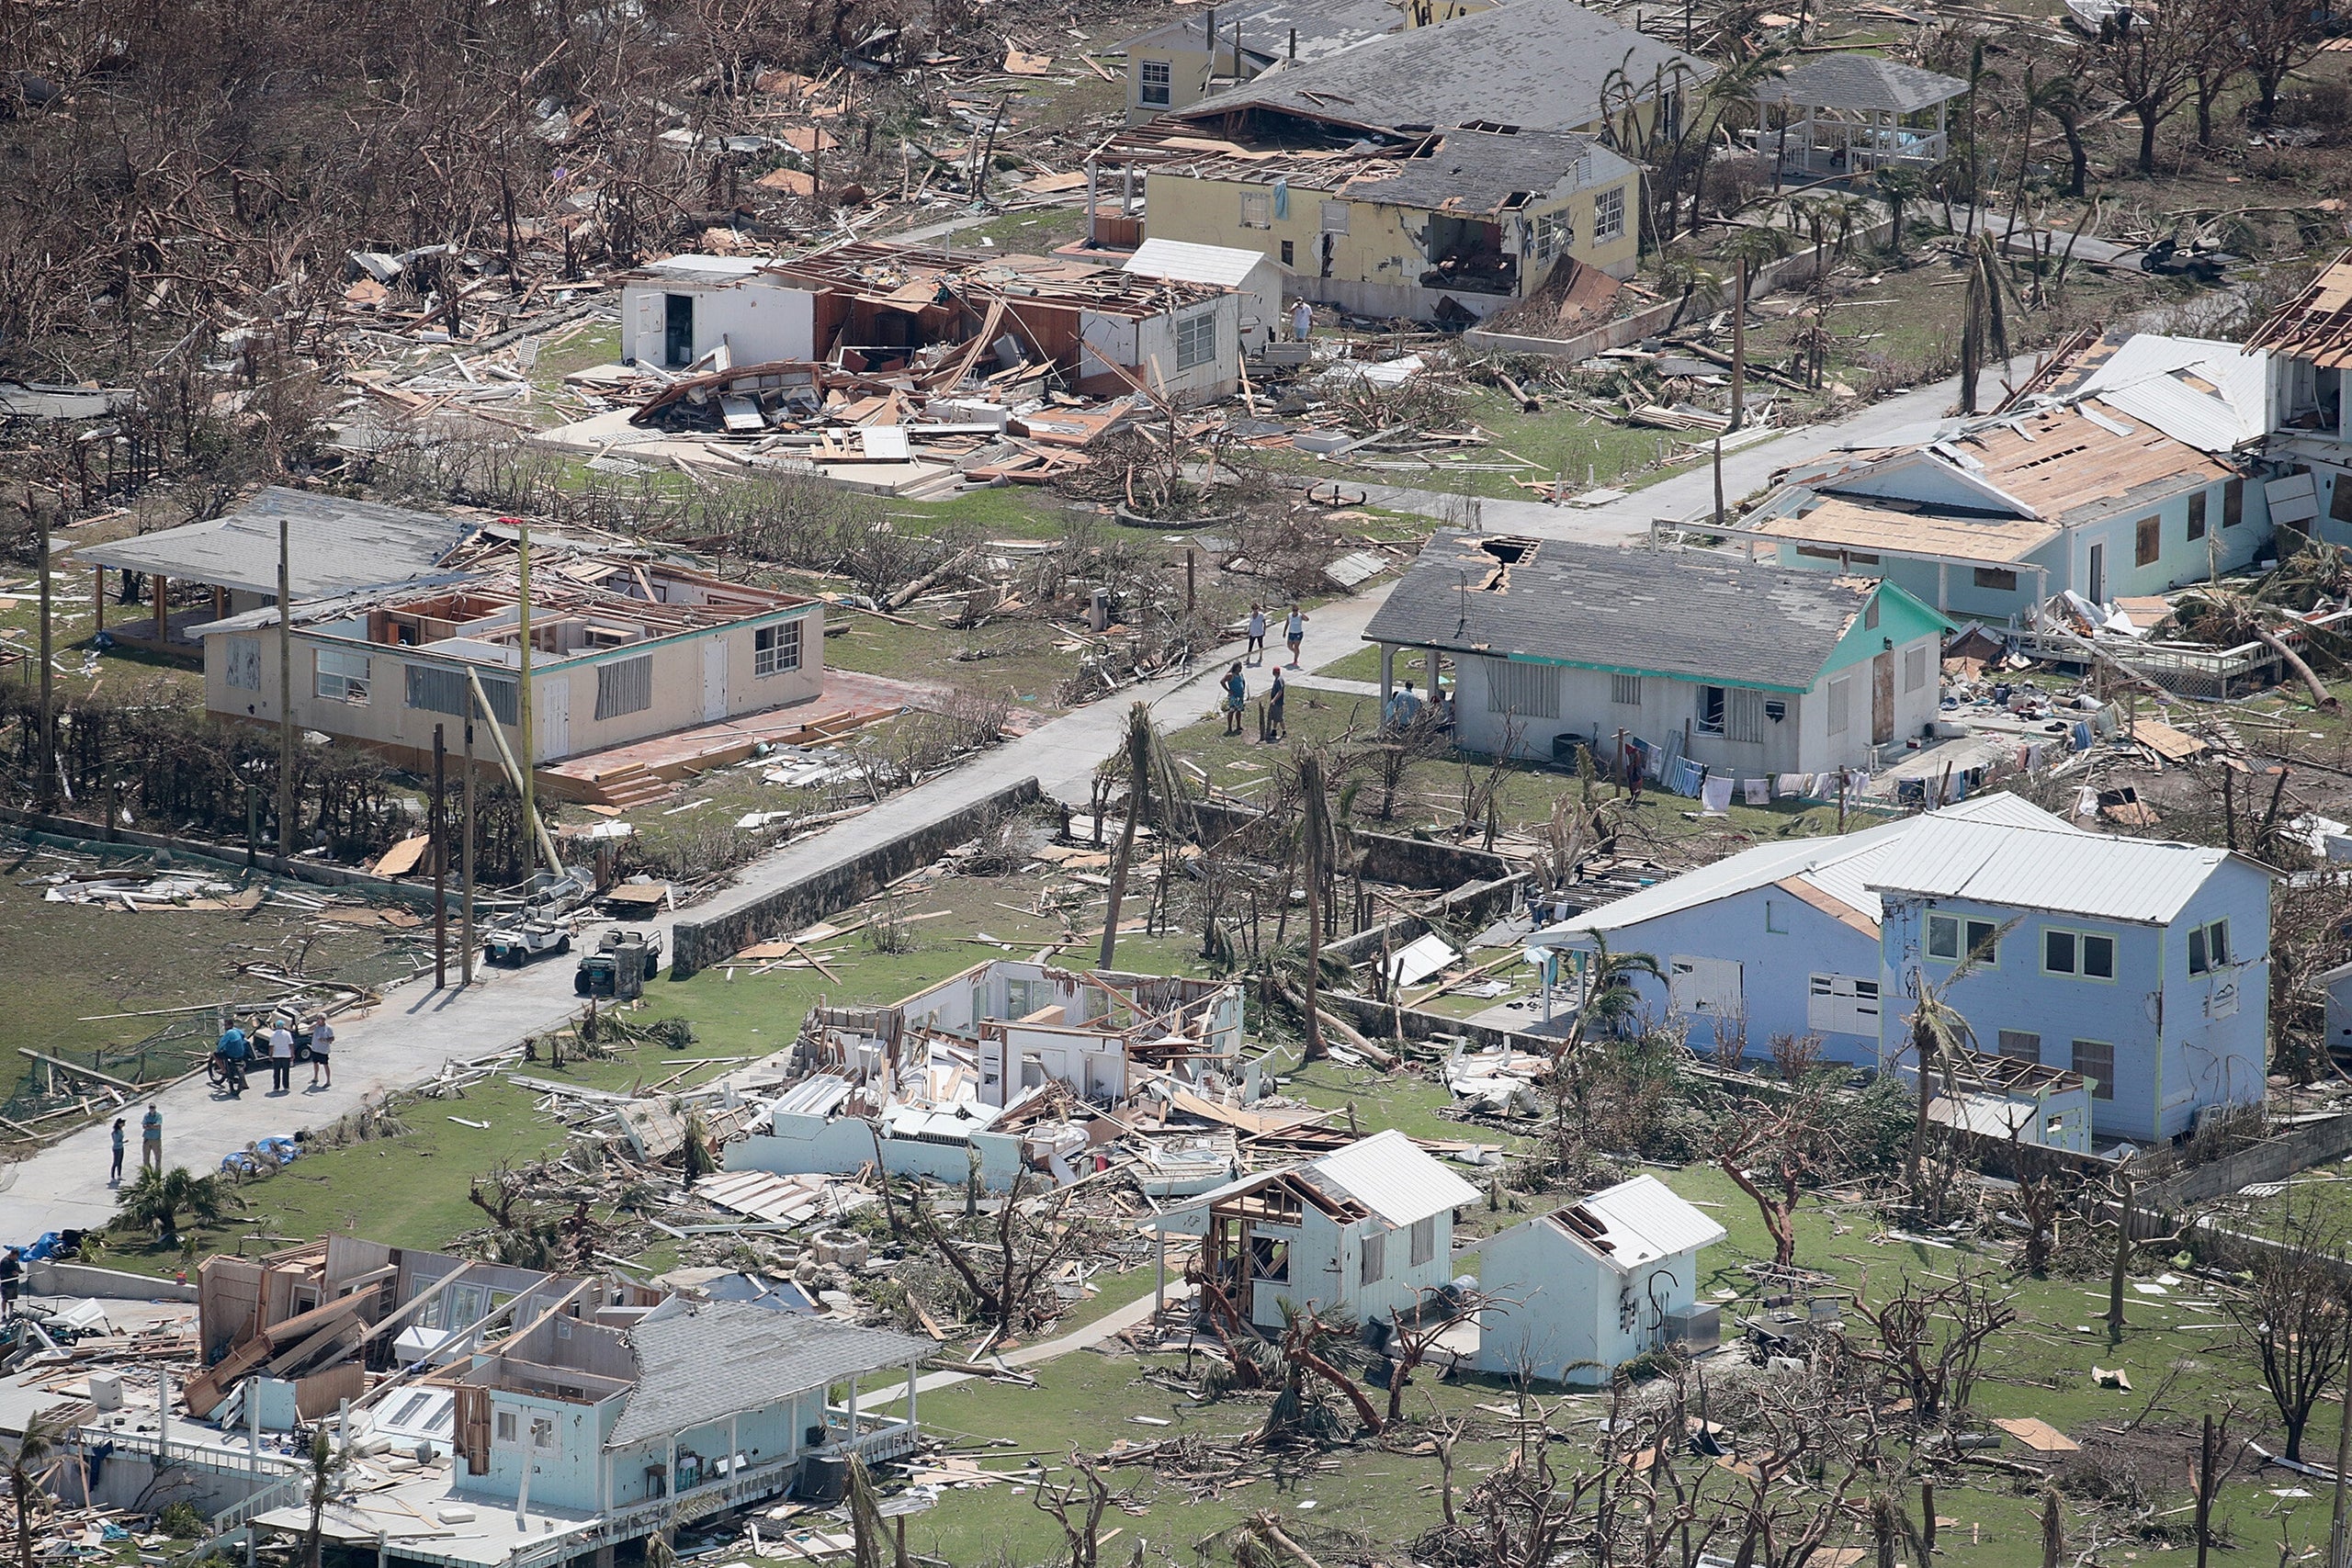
(1690, 496)
(417, 1030)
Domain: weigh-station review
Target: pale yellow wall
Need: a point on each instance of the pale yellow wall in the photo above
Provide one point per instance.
(1189, 71)
(1429, 12)
(1383, 244)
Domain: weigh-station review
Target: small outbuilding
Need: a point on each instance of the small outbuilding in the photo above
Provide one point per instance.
(1256, 277)
(1594, 1284)
(1852, 115)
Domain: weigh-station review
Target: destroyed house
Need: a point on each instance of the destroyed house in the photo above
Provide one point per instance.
(1457, 222)
(334, 546)
(622, 648)
(2008, 1100)
(1366, 1230)
(1594, 1284)
(1529, 65)
(1781, 939)
(2144, 966)
(2310, 337)
(945, 316)
(1007, 1062)
(1179, 63)
(2089, 495)
(1662, 658)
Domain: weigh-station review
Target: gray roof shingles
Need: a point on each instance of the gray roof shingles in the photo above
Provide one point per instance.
(729, 1358)
(1538, 64)
(333, 545)
(1677, 613)
(1861, 82)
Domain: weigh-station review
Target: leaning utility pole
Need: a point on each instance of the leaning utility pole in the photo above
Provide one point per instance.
(523, 703)
(285, 699)
(48, 672)
(440, 863)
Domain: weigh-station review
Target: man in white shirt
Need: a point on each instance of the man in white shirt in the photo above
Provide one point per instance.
(321, 1052)
(281, 1057)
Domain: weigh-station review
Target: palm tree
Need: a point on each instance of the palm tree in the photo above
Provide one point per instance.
(1983, 318)
(1608, 993)
(155, 1199)
(1142, 741)
(1899, 186)
(326, 1464)
(1939, 1036)
(31, 1457)
(1687, 280)
(1748, 250)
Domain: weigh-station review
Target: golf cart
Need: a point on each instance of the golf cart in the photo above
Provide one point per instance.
(621, 965)
(517, 944)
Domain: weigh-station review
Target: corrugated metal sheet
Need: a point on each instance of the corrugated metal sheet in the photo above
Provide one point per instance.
(2139, 880)
(1845, 868)
(2150, 376)
(1388, 1174)
(1222, 264)
(1647, 1220)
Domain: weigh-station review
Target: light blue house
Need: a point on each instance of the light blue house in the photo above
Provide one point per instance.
(715, 1405)
(2127, 469)
(1782, 939)
(2141, 965)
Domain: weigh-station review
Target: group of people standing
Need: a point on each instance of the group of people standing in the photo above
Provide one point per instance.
(273, 1044)
(1237, 684)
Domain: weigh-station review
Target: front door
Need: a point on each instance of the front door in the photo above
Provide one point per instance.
(1882, 699)
(554, 720)
(678, 330)
(2095, 582)
(714, 680)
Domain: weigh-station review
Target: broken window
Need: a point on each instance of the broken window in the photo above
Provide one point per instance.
(1196, 340)
(1156, 81)
(1999, 578)
(775, 649)
(2147, 541)
(625, 687)
(1608, 216)
(243, 669)
(543, 1432)
(1711, 710)
(1256, 210)
(507, 1425)
(1289, 253)
(1555, 234)
(1335, 218)
(2209, 948)
(1270, 1259)
(341, 677)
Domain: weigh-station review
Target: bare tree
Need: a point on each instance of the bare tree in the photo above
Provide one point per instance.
(1775, 1144)
(1017, 1258)
(1926, 1341)
(2146, 59)
(2297, 1320)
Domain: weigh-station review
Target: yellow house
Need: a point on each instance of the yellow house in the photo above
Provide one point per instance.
(1179, 63)
(1456, 223)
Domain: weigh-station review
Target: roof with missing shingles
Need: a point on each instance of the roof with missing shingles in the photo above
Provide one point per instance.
(700, 1364)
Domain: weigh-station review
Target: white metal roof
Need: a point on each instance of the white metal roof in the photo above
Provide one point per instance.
(1645, 1219)
(1842, 867)
(1224, 265)
(2212, 395)
(1389, 1174)
(2144, 881)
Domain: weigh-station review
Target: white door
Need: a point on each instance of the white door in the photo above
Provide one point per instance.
(1709, 987)
(1842, 1004)
(714, 680)
(553, 720)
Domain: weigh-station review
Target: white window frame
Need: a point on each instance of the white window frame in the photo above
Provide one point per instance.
(507, 1423)
(1713, 710)
(776, 650)
(544, 1438)
(333, 678)
(1155, 83)
(1608, 216)
(1196, 339)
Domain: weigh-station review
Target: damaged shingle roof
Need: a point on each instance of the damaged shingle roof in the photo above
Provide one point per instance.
(703, 1364)
(1861, 82)
(1538, 64)
(333, 545)
(1686, 614)
(1479, 171)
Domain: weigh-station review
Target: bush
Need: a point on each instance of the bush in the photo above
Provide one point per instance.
(181, 1521)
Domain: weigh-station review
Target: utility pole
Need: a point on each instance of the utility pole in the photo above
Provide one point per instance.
(466, 867)
(1739, 343)
(48, 672)
(440, 864)
(285, 699)
(2335, 1542)
(530, 751)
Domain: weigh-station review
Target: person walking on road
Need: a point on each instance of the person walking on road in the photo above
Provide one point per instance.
(281, 1057)
(151, 1140)
(1236, 697)
(114, 1177)
(1294, 633)
(1274, 695)
(1256, 651)
(322, 1050)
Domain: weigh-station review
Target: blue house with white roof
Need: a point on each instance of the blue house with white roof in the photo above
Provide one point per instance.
(1782, 939)
(2142, 965)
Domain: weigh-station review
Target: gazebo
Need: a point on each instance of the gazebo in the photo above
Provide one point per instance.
(1852, 114)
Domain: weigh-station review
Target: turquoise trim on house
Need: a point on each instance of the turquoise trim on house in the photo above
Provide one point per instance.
(1902, 618)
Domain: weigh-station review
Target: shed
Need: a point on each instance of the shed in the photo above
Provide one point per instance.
(2337, 982)
(1254, 275)
(1594, 1284)
(1852, 114)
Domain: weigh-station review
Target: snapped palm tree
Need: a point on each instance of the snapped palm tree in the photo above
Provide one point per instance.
(326, 1464)
(1149, 768)
(1900, 188)
(1748, 250)
(1939, 1037)
(1984, 322)
(155, 1201)
(1690, 283)
(24, 1469)
(1316, 856)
